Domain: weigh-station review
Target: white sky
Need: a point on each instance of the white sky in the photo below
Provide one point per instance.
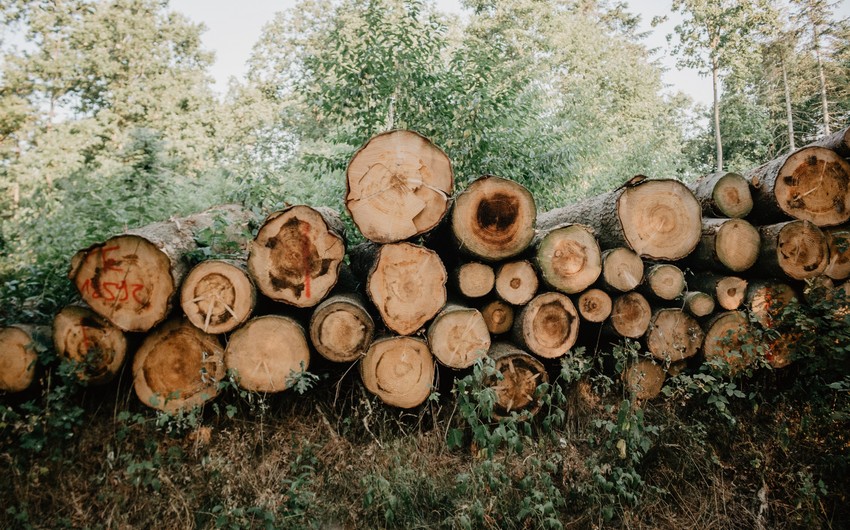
(234, 26)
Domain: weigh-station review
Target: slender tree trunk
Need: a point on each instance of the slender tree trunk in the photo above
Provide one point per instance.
(717, 138)
(822, 77)
(788, 114)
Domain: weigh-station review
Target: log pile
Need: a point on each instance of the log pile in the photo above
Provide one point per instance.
(442, 282)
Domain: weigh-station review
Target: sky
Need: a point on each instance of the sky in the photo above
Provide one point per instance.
(234, 26)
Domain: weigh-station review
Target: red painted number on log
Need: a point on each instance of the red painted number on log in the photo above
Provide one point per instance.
(109, 264)
(114, 291)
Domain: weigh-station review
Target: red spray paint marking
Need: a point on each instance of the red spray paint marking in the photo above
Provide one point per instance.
(305, 253)
(86, 341)
(109, 264)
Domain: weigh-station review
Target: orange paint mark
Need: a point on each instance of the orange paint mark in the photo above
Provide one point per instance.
(305, 253)
(109, 264)
(86, 341)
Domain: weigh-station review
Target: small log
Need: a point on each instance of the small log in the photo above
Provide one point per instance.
(594, 305)
(723, 194)
(673, 335)
(498, 315)
(797, 249)
(474, 279)
(516, 282)
(19, 346)
(663, 281)
(729, 291)
(218, 295)
(493, 219)
(698, 304)
(810, 184)
(297, 254)
(399, 370)
(458, 336)
(658, 219)
(839, 141)
(132, 279)
(622, 270)
(85, 338)
(568, 258)
(838, 242)
(547, 326)
(729, 245)
(521, 374)
(341, 328)
(644, 378)
(630, 315)
(766, 299)
(728, 341)
(178, 367)
(267, 352)
(398, 186)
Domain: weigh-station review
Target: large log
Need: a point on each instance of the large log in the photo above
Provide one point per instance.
(644, 378)
(341, 328)
(178, 367)
(658, 219)
(729, 245)
(630, 315)
(458, 336)
(85, 338)
(594, 305)
(729, 291)
(839, 141)
(493, 219)
(838, 241)
(516, 282)
(673, 335)
(547, 326)
(398, 186)
(723, 194)
(663, 281)
(267, 352)
(797, 249)
(19, 347)
(474, 279)
(218, 295)
(297, 254)
(568, 258)
(622, 270)
(810, 184)
(521, 374)
(728, 341)
(498, 315)
(399, 370)
(132, 279)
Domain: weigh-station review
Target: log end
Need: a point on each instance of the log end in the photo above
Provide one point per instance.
(217, 296)
(95, 346)
(399, 370)
(267, 353)
(569, 258)
(18, 359)
(813, 185)
(341, 328)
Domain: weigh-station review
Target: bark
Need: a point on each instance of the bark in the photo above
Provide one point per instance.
(218, 295)
(715, 92)
(399, 370)
(458, 336)
(797, 249)
(521, 375)
(839, 141)
(341, 328)
(547, 326)
(723, 194)
(568, 258)
(85, 338)
(789, 115)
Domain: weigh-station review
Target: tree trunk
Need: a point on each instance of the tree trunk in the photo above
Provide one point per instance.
(630, 315)
(398, 186)
(658, 219)
(499, 316)
(797, 249)
(516, 282)
(19, 346)
(644, 378)
(474, 279)
(728, 245)
(715, 92)
(341, 328)
(673, 335)
(663, 281)
(132, 279)
(594, 305)
(839, 141)
(723, 194)
(521, 375)
(568, 258)
(458, 336)
(622, 270)
(267, 353)
(822, 78)
(810, 184)
(85, 338)
(699, 304)
(493, 219)
(178, 367)
(218, 295)
(838, 241)
(297, 254)
(729, 291)
(547, 326)
(789, 115)
(399, 370)
(766, 299)
(727, 341)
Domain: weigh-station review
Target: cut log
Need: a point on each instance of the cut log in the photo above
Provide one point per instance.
(839, 141)
(766, 300)
(178, 367)
(458, 336)
(658, 219)
(797, 249)
(729, 291)
(132, 279)
(724, 194)
(267, 353)
(810, 184)
(493, 218)
(838, 242)
(729, 245)
(91, 342)
(19, 346)
(406, 282)
(547, 326)
(663, 281)
(728, 341)
(699, 304)
(622, 270)
(630, 315)
(398, 186)
(673, 335)
(218, 295)
(568, 258)
(594, 305)
(521, 374)
(296, 256)
(474, 279)
(341, 328)
(499, 316)
(644, 378)
(516, 282)
(399, 370)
